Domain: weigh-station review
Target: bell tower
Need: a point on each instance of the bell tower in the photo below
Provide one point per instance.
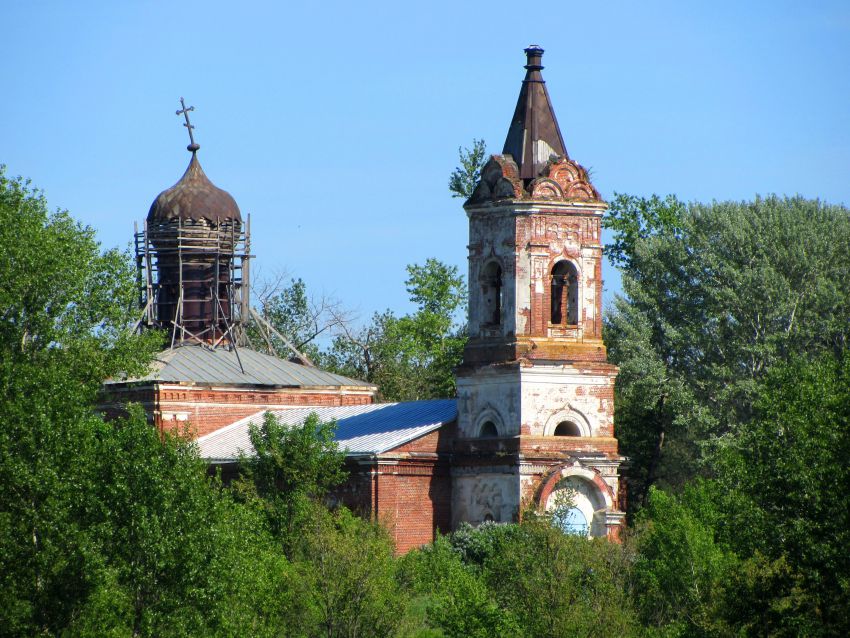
(535, 390)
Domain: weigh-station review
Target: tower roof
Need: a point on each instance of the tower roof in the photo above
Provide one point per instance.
(534, 135)
(194, 197)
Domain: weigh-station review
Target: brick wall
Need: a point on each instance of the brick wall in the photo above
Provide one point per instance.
(407, 489)
(202, 410)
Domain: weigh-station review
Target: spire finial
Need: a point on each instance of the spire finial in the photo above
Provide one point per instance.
(534, 53)
(185, 113)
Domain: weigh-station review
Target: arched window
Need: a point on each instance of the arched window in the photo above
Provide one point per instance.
(489, 431)
(564, 294)
(491, 287)
(566, 428)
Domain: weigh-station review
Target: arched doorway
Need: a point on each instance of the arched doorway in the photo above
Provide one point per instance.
(578, 501)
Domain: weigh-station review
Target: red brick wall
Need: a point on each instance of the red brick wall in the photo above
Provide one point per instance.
(408, 489)
(414, 501)
(204, 410)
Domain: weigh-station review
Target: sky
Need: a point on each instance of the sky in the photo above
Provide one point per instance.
(335, 125)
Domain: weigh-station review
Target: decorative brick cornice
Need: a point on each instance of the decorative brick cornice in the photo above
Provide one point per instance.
(562, 180)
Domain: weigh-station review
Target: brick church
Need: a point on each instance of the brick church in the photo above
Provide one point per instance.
(532, 426)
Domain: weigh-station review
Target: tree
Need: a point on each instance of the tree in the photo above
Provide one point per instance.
(66, 311)
(788, 471)
(176, 554)
(293, 467)
(465, 177)
(105, 528)
(413, 356)
(302, 319)
(681, 569)
(453, 593)
(348, 577)
(715, 296)
(558, 584)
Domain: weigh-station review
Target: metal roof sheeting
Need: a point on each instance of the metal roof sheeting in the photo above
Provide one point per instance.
(361, 429)
(201, 365)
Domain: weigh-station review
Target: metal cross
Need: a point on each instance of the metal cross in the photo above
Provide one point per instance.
(185, 113)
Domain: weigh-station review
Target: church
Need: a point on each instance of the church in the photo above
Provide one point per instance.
(532, 426)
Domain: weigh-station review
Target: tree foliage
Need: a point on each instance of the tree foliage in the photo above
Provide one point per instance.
(303, 320)
(528, 579)
(788, 469)
(715, 295)
(292, 468)
(413, 356)
(465, 177)
(105, 528)
(760, 549)
(348, 577)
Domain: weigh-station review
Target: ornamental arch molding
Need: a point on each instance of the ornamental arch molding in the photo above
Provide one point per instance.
(486, 416)
(570, 415)
(586, 490)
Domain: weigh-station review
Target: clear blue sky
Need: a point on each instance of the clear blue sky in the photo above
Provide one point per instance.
(336, 124)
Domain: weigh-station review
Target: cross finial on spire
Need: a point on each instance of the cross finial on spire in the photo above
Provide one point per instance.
(185, 113)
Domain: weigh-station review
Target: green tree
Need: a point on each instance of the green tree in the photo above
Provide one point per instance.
(558, 584)
(453, 593)
(714, 296)
(527, 579)
(759, 549)
(681, 568)
(413, 356)
(66, 309)
(176, 554)
(788, 470)
(301, 319)
(293, 467)
(465, 177)
(347, 575)
(105, 528)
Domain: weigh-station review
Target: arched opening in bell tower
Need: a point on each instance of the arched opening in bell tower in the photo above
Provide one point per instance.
(564, 290)
(491, 286)
(567, 428)
(489, 430)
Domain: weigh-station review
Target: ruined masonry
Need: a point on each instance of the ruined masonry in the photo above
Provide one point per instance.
(535, 391)
(532, 426)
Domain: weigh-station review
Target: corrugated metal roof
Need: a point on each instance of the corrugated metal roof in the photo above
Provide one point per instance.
(193, 363)
(361, 429)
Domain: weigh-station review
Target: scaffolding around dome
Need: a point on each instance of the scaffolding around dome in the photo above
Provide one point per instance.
(194, 281)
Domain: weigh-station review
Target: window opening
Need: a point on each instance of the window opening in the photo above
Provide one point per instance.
(566, 428)
(564, 294)
(491, 283)
(489, 431)
(571, 521)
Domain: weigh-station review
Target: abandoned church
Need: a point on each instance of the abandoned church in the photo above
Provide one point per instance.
(534, 415)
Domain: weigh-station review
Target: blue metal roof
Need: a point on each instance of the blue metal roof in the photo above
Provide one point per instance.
(361, 429)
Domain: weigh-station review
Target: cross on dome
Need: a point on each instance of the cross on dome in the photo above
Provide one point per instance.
(189, 126)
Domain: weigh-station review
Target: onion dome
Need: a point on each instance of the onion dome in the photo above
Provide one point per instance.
(194, 198)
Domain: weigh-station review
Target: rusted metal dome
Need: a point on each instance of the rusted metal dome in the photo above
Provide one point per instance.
(194, 198)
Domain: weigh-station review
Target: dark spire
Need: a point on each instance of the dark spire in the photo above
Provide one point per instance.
(534, 135)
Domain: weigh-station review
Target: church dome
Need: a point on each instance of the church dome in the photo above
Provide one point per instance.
(194, 198)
